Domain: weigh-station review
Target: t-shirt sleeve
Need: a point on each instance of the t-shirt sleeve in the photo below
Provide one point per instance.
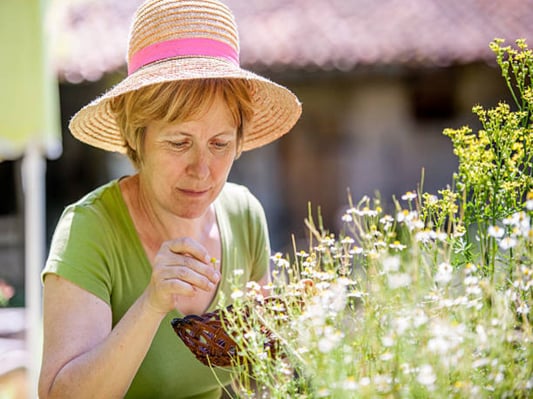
(78, 251)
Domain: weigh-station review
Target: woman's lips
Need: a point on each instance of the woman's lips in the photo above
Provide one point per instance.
(193, 193)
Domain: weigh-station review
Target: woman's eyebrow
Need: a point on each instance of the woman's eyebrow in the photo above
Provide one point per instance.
(229, 132)
(175, 134)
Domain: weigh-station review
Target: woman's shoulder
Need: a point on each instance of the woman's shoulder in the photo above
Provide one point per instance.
(238, 198)
(234, 189)
(101, 204)
(101, 194)
(85, 240)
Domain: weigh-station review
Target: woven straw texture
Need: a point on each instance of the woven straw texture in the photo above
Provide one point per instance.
(206, 338)
(276, 109)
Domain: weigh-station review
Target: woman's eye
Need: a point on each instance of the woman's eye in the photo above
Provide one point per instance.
(178, 144)
(219, 145)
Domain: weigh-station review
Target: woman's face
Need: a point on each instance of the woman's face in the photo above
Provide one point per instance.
(186, 164)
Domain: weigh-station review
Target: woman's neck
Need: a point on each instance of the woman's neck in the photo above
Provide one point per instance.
(158, 225)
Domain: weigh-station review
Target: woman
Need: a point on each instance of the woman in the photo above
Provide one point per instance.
(133, 254)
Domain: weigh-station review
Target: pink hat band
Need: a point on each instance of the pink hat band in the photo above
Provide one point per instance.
(185, 47)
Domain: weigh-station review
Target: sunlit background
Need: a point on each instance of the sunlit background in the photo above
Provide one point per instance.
(379, 81)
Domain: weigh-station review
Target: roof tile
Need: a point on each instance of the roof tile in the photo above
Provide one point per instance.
(90, 36)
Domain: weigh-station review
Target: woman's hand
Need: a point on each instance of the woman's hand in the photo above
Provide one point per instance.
(181, 268)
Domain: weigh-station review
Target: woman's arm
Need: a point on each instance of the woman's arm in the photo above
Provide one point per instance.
(82, 356)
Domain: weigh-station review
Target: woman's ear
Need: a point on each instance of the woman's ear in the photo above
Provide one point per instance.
(130, 143)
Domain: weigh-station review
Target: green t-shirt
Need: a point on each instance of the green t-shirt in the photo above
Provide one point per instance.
(96, 247)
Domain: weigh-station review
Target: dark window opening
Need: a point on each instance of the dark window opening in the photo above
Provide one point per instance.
(432, 95)
(8, 199)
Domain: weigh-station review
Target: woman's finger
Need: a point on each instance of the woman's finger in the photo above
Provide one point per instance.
(167, 257)
(187, 275)
(190, 247)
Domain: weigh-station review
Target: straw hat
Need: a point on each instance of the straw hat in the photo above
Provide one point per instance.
(172, 40)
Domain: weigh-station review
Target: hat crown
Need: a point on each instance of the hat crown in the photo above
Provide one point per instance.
(159, 21)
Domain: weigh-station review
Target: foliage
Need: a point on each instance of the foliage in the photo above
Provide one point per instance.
(431, 300)
(495, 164)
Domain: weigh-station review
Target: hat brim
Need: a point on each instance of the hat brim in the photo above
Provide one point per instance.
(276, 109)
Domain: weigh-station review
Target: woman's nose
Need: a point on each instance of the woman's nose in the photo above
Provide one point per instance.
(199, 164)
